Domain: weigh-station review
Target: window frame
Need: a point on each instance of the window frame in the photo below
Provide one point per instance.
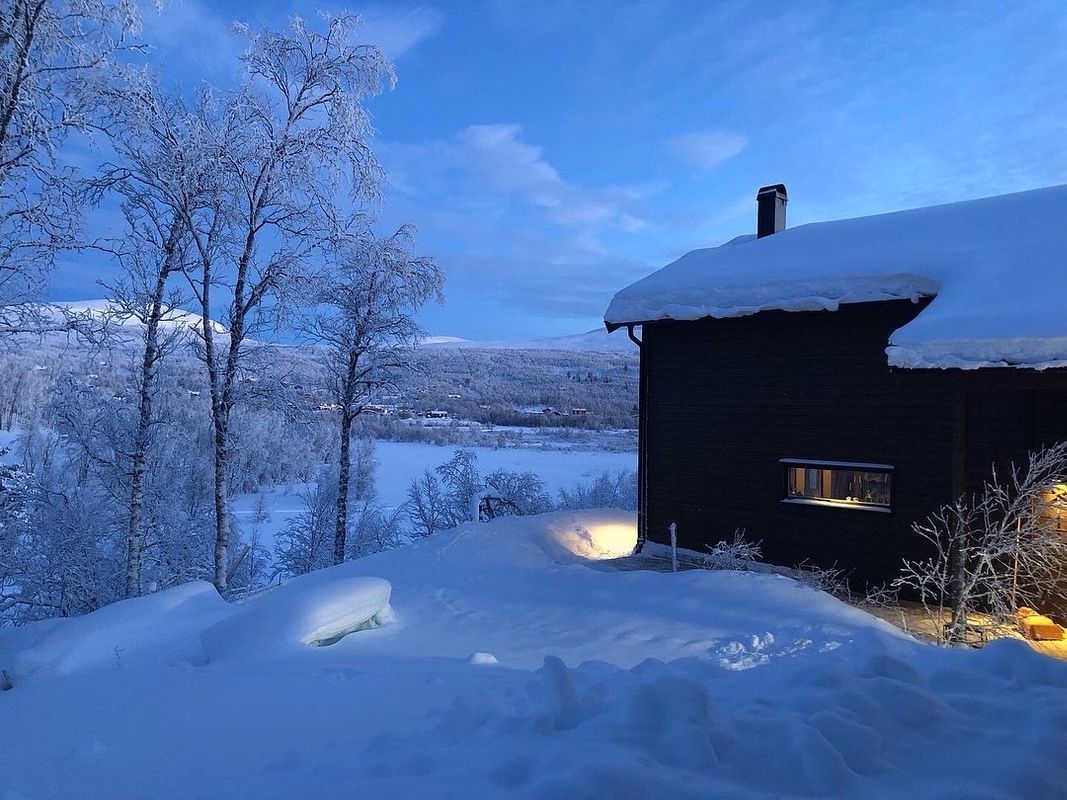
(824, 464)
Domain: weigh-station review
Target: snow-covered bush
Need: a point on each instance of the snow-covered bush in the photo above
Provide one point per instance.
(456, 492)
(831, 580)
(606, 490)
(739, 553)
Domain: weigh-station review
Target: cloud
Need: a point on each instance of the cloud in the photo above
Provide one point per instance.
(190, 42)
(497, 158)
(707, 149)
(397, 31)
(509, 227)
(492, 170)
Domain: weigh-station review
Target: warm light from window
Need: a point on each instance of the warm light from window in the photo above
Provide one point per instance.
(1055, 506)
(839, 483)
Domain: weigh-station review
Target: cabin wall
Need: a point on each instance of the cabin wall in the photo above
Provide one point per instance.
(726, 399)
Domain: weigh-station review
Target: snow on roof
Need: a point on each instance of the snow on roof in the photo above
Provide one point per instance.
(996, 267)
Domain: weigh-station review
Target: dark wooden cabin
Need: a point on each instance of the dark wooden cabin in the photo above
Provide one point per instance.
(793, 426)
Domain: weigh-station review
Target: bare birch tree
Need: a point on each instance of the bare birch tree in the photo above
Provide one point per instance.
(299, 134)
(54, 57)
(994, 551)
(165, 172)
(365, 320)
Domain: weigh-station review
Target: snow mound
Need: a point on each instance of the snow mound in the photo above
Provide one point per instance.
(317, 609)
(156, 630)
(994, 266)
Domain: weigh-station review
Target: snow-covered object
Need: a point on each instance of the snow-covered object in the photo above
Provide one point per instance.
(315, 609)
(995, 267)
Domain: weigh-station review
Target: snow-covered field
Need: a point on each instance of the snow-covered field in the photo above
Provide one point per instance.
(398, 463)
(503, 660)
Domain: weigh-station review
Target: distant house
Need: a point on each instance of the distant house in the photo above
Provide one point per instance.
(824, 387)
(579, 412)
(435, 414)
(541, 411)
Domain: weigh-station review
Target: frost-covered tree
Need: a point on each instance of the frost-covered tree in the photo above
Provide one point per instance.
(993, 551)
(508, 492)
(427, 505)
(607, 490)
(374, 529)
(306, 543)
(297, 135)
(463, 487)
(164, 171)
(456, 493)
(54, 57)
(364, 320)
(18, 491)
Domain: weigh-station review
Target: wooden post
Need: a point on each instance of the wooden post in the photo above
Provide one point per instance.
(674, 547)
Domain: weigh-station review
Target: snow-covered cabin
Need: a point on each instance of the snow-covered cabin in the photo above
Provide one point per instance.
(825, 386)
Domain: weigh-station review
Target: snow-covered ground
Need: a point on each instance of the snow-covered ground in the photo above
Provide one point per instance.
(401, 462)
(503, 660)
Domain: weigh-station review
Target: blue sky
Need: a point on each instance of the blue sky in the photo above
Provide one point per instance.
(551, 152)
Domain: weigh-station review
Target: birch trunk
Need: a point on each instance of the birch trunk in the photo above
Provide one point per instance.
(345, 468)
(142, 436)
(141, 440)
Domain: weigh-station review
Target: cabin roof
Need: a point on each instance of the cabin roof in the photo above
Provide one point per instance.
(997, 268)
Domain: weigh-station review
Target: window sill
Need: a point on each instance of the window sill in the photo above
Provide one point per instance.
(803, 501)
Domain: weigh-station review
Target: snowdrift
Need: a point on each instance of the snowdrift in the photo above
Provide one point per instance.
(510, 663)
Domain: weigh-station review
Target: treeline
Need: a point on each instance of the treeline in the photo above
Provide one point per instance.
(255, 204)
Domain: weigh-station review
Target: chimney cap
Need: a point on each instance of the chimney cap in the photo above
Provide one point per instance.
(774, 188)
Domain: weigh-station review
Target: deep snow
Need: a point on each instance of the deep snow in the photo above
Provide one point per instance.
(512, 662)
(995, 266)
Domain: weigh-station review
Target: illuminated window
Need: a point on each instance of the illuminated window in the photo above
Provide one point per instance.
(838, 483)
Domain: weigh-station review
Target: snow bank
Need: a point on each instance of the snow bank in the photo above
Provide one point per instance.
(995, 266)
(317, 609)
(157, 630)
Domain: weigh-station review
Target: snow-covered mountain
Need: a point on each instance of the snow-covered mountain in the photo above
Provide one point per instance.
(103, 309)
(595, 340)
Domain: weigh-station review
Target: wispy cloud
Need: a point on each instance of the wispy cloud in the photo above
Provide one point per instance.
(510, 227)
(707, 149)
(492, 168)
(399, 30)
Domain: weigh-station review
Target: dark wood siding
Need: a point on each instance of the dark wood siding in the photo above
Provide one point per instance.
(726, 399)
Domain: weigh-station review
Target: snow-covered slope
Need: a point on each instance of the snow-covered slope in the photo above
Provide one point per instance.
(995, 266)
(103, 309)
(508, 660)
